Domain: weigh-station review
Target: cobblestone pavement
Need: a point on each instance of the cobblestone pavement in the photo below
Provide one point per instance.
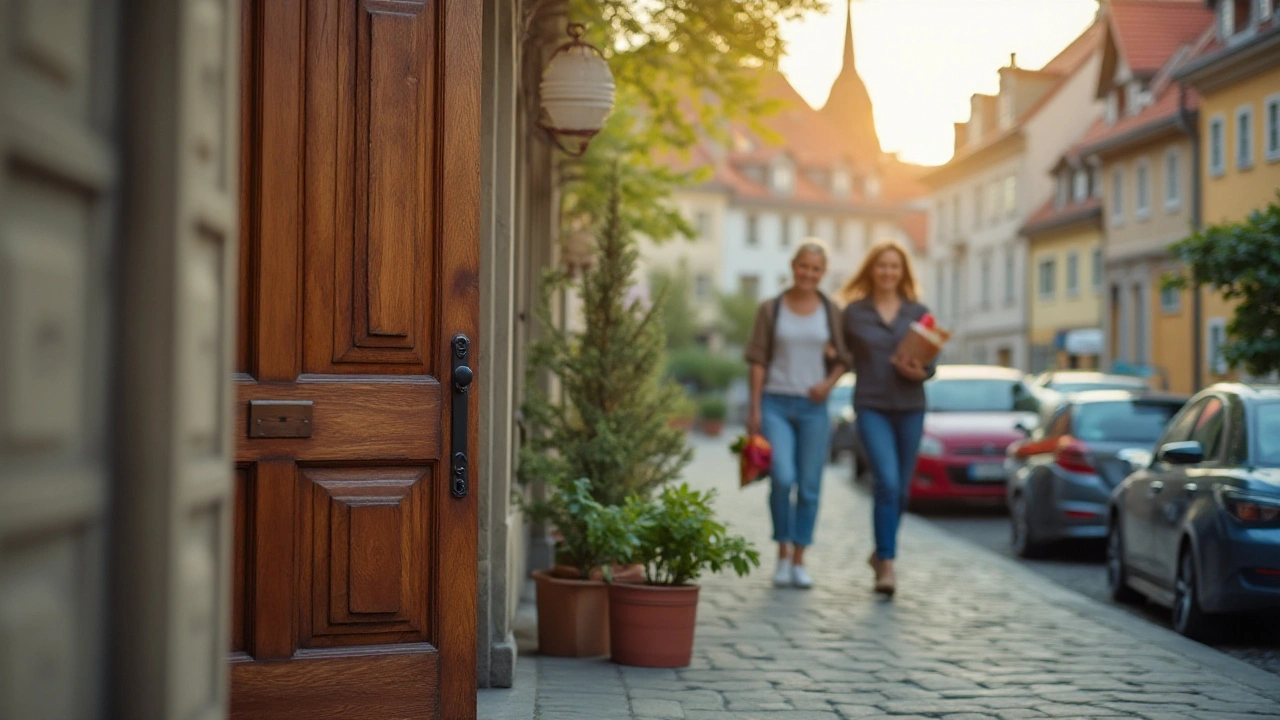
(969, 636)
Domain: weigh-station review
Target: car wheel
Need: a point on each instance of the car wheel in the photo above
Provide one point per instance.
(1117, 573)
(1188, 618)
(1020, 530)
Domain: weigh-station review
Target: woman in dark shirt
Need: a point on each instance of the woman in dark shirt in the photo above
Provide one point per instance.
(889, 396)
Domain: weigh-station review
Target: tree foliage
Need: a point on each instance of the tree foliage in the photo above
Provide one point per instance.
(612, 424)
(683, 68)
(1242, 262)
(672, 291)
(737, 317)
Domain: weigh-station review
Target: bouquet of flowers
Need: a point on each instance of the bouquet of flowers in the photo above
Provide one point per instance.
(754, 456)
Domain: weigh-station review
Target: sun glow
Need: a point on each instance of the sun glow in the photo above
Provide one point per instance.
(922, 59)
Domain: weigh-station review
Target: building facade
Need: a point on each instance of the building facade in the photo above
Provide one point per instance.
(1064, 241)
(1143, 151)
(979, 201)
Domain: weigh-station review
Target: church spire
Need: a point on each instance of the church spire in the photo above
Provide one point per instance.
(848, 36)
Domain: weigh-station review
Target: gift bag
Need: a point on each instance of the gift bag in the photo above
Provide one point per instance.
(923, 341)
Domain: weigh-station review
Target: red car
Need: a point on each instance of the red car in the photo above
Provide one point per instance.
(974, 413)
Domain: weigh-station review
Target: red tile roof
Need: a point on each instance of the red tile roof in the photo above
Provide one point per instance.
(1166, 101)
(1212, 45)
(1049, 216)
(1148, 32)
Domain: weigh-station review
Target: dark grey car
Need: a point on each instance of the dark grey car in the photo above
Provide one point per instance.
(1198, 529)
(844, 429)
(1061, 476)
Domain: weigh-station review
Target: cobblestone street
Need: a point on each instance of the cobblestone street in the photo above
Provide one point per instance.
(969, 636)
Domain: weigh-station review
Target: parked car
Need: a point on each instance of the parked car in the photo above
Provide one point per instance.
(973, 414)
(844, 429)
(1060, 476)
(1073, 381)
(1198, 528)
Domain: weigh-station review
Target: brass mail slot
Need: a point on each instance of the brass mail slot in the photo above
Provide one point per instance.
(280, 418)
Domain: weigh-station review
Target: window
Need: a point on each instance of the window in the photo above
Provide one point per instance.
(1011, 196)
(1140, 305)
(1009, 276)
(749, 286)
(872, 187)
(1172, 180)
(1208, 428)
(1244, 138)
(702, 287)
(940, 220)
(1095, 180)
(993, 200)
(1117, 196)
(1097, 269)
(1170, 301)
(1142, 203)
(1271, 133)
(1234, 17)
(1073, 274)
(955, 289)
(810, 228)
(784, 179)
(940, 283)
(1217, 335)
(786, 231)
(840, 184)
(1133, 98)
(1113, 108)
(955, 215)
(1080, 192)
(1217, 146)
(753, 231)
(986, 283)
(1060, 198)
(1048, 270)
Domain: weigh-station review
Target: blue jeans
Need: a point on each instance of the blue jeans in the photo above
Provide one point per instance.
(891, 441)
(799, 431)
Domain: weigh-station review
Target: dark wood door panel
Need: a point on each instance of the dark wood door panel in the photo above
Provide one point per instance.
(364, 555)
(358, 686)
(356, 419)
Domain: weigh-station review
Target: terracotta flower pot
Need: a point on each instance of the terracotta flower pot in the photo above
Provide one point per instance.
(652, 625)
(712, 428)
(573, 616)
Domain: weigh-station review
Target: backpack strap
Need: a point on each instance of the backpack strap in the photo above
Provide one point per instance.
(773, 331)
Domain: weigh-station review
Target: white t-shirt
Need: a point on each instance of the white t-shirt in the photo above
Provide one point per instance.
(799, 349)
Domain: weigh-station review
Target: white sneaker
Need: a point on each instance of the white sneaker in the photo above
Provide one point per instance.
(800, 577)
(782, 576)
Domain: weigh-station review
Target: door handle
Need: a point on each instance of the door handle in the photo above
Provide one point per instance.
(1156, 486)
(1191, 488)
(463, 376)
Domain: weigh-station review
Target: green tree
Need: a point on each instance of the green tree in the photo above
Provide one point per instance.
(737, 317)
(1242, 262)
(683, 68)
(612, 423)
(672, 291)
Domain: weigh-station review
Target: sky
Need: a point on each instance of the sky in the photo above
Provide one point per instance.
(922, 59)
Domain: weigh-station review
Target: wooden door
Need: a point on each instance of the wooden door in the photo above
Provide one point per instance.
(355, 565)
(58, 189)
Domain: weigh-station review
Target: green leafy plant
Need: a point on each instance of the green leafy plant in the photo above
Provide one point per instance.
(611, 423)
(704, 370)
(673, 289)
(590, 533)
(737, 317)
(680, 538)
(713, 407)
(1241, 261)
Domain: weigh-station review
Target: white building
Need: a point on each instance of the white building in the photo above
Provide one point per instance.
(976, 264)
(827, 178)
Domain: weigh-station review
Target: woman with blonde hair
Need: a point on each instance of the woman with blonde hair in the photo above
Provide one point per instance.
(881, 303)
(796, 354)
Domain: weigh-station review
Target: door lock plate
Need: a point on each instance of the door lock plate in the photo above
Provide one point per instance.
(279, 418)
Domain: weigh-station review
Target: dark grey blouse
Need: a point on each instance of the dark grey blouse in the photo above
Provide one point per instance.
(871, 341)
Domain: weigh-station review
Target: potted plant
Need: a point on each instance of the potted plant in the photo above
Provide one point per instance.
(651, 624)
(572, 598)
(712, 408)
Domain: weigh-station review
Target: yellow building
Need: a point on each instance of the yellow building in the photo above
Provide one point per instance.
(1237, 77)
(1142, 155)
(1064, 240)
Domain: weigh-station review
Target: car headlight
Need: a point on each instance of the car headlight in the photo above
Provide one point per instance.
(931, 447)
(1250, 509)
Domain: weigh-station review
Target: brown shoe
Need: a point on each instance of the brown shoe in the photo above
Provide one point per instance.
(886, 582)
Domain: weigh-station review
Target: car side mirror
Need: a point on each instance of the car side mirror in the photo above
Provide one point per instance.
(1181, 453)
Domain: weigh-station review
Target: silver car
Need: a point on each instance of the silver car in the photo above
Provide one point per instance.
(1061, 476)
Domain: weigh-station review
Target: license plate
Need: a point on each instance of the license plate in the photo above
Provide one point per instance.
(986, 472)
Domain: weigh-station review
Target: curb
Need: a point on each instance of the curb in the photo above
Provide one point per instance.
(518, 702)
(1242, 673)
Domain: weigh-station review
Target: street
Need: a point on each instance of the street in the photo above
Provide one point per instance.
(970, 635)
(1080, 568)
